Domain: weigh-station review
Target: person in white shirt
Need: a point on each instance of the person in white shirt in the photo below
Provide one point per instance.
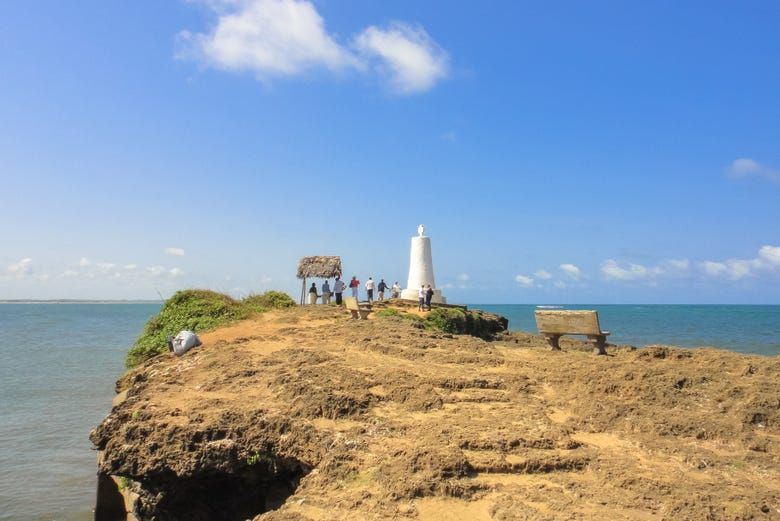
(421, 299)
(396, 289)
(338, 289)
(370, 289)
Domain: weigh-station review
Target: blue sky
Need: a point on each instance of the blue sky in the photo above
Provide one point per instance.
(601, 152)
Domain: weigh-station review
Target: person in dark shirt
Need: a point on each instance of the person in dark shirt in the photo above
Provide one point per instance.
(313, 294)
(428, 296)
(382, 287)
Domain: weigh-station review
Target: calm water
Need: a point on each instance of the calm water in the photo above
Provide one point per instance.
(58, 365)
(60, 362)
(747, 329)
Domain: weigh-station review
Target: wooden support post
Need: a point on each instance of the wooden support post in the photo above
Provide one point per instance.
(601, 342)
(553, 341)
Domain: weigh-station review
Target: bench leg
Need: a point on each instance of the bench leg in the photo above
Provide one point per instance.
(553, 341)
(601, 342)
(355, 314)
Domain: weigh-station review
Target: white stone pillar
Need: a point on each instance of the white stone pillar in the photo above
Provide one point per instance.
(421, 268)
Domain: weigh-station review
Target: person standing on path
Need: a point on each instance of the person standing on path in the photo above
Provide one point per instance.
(326, 292)
(396, 290)
(421, 299)
(313, 294)
(428, 297)
(338, 289)
(354, 284)
(382, 287)
(370, 289)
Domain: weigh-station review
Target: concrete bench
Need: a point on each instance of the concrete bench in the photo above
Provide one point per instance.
(553, 324)
(356, 309)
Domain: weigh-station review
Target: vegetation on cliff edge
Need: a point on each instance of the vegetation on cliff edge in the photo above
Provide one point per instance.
(469, 322)
(198, 310)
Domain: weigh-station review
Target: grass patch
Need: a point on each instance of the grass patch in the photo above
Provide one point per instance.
(392, 312)
(198, 310)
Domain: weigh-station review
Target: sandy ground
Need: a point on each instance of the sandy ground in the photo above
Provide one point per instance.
(395, 422)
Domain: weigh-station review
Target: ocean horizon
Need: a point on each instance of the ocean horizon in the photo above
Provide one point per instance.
(61, 363)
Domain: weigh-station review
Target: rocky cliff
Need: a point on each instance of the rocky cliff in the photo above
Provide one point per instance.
(304, 414)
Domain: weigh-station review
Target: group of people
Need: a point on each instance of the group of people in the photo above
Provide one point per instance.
(424, 297)
(339, 286)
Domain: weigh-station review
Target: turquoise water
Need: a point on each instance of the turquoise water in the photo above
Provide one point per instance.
(60, 362)
(746, 329)
(59, 365)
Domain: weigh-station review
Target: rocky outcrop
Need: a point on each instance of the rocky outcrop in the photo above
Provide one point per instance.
(304, 414)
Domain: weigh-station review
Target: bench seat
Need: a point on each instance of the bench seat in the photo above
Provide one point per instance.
(553, 324)
(358, 312)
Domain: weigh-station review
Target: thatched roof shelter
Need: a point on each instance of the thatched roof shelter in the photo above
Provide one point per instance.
(321, 267)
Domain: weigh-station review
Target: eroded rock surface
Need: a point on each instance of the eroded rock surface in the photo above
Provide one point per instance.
(307, 415)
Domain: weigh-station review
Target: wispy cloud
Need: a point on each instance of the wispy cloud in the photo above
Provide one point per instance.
(22, 268)
(767, 259)
(543, 274)
(524, 280)
(406, 56)
(175, 252)
(571, 270)
(463, 277)
(612, 270)
(286, 38)
(746, 167)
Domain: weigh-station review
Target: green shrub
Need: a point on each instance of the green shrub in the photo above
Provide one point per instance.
(196, 310)
(458, 321)
(271, 300)
(449, 320)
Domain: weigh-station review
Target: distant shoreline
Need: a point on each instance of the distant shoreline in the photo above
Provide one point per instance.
(77, 301)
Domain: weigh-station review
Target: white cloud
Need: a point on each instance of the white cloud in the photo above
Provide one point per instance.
(744, 167)
(770, 255)
(543, 274)
(559, 284)
(21, 268)
(611, 270)
(84, 262)
(524, 281)
(270, 38)
(408, 57)
(105, 266)
(768, 259)
(714, 269)
(69, 274)
(679, 264)
(130, 267)
(571, 270)
(155, 271)
(463, 277)
(176, 272)
(284, 38)
(175, 252)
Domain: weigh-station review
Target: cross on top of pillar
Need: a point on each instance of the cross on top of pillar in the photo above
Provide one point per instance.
(421, 230)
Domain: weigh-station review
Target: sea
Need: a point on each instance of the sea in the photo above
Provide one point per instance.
(59, 363)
